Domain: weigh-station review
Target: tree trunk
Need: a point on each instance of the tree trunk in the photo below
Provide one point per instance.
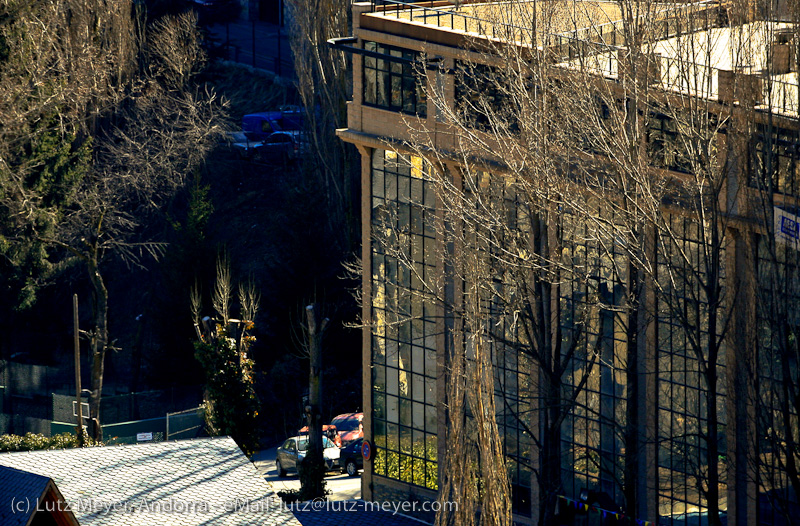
(314, 463)
(550, 459)
(99, 344)
(632, 435)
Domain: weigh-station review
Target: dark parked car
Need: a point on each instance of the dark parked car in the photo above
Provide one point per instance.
(350, 458)
(293, 451)
(279, 147)
(260, 125)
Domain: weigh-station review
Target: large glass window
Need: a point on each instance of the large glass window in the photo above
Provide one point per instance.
(778, 297)
(404, 370)
(684, 329)
(393, 82)
(483, 97)
(774, 164)
(664, 145)
(594, 320)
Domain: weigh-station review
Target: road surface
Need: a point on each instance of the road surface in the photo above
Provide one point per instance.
(342, 487)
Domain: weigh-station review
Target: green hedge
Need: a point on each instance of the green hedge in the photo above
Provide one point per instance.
(32, 442)
(408, 468)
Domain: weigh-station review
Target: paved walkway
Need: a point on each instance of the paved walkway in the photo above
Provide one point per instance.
(351, 513)
(342, 487)
(344, 506)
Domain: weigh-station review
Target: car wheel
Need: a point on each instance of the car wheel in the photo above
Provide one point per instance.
(351, 468)
(281, 471)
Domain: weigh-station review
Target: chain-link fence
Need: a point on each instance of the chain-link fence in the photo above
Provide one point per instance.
(185, 424)
(189, 423)
(142, 405)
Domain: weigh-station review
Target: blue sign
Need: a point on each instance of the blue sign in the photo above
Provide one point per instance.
(790, 227)
(366, 450)
(787, 228)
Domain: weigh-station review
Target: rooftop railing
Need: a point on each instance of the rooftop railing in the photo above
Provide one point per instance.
(781, 96)
(598, 46)
(441, 13)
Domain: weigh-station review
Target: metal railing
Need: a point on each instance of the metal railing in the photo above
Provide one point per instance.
(430, 13)
(781, 96)
(443, 14)
(597, 47)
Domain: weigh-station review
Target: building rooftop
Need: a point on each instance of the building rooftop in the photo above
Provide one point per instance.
(185, 483)
(746, 49)
(512, 21)
(498, 18)
(689, 59)
(704, 63)
(15, 486)
(205, 481)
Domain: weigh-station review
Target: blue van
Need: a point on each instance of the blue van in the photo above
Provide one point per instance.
(258, 126)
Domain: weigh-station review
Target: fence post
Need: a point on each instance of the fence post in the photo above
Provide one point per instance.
(76, 328)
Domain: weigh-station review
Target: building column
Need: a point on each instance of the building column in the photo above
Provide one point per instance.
(647, 377)
(366, 310)
(741, 345)
(741, 349)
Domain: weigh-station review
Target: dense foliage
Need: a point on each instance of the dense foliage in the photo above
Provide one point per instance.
(231, 405)
(104, 121)
(33, 442)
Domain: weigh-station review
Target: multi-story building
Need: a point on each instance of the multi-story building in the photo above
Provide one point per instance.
(699, 369)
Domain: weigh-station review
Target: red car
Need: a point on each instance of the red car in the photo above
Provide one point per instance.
(349, 427)
(328, 431)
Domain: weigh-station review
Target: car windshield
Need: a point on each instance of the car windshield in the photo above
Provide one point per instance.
(302, 444)
(346, 424)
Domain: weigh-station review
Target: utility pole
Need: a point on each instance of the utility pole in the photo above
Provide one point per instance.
(313, 464)
(77, 369)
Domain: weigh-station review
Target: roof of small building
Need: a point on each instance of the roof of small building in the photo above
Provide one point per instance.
(23, 487)
(206, 481)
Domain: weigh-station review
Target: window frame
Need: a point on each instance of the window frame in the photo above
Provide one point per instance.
(393, 82)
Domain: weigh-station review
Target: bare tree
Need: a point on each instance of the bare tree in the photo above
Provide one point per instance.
(129, 145)
(323, 83)
(582, 157)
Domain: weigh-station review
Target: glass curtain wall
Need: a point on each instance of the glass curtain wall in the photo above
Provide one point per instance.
(778, 428)
(683, 314)
(404, 327)
(594, 319)
(494, 228)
